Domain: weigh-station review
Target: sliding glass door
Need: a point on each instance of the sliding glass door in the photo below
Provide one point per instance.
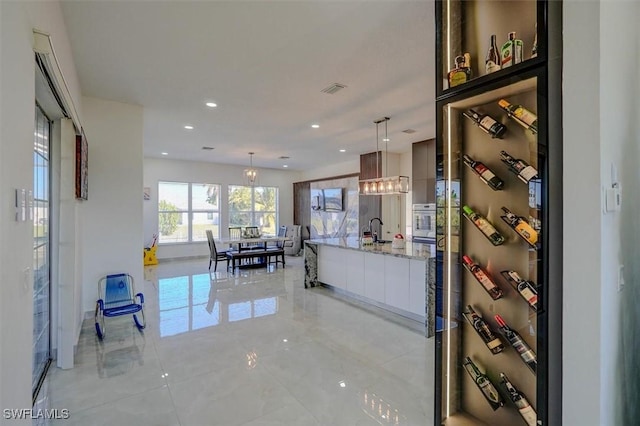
(41, 250)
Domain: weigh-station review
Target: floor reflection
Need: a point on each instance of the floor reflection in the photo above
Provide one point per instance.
(193, 302)
(119, 361)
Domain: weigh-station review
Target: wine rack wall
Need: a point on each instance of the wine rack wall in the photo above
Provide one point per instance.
(467, 26)
(514, 254)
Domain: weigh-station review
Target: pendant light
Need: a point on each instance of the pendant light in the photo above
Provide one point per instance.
(251, 174)
(383, 185)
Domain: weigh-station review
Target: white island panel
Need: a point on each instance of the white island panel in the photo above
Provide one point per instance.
(332, 266)
(374, 277)
(355, 271)
(417, 286)
(396, 275)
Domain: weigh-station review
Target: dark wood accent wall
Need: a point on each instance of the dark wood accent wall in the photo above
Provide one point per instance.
(370, 205)
(423, 157)
(302, 207)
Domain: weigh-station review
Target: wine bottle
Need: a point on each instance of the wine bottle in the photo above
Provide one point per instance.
(483, 383)
(519, 167)
(482, 328)
(525, 409)
(492, 60)
(483, 225)
(486, 123)
(521, 115)
(460, 73)
(525, 288)
(485, 174)
(482, 277)
(524, 350)
(521, 226)
(511, 52)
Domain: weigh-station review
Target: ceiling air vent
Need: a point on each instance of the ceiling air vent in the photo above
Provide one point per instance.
(333, 88)
(408, 131)
(284, 157)
(208, 148)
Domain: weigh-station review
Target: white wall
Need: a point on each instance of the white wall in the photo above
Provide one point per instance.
(17, 19)
(581, 173)
(600, 128)
(112, 237)
(331, 170)
(619, 140)
(156, 170)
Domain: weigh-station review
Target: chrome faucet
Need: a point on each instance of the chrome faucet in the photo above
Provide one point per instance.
(375, 236)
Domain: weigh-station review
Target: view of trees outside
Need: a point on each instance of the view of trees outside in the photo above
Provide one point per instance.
(254, 206)
(187, 206)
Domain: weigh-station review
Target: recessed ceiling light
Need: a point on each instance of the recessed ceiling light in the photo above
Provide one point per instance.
(164, 153)
(188, 127)
(315, 126)
(385, 139)
(343, 150)
(211, 104)
(285, 165)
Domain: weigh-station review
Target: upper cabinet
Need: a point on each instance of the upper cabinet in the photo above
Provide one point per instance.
(479, 41)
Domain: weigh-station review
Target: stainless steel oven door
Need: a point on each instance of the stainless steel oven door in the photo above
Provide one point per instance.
(424, 221)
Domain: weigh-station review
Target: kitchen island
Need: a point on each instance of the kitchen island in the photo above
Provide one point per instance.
(399, 280)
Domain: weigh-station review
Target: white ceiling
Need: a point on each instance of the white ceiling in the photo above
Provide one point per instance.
(264, 63)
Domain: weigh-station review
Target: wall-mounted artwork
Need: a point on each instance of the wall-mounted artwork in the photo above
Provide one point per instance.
(146, 193)
(82, 167)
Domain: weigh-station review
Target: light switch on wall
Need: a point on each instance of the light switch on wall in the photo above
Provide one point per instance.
(620, 278)
(612, 199)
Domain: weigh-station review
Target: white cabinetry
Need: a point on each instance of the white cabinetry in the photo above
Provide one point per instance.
(396, 277)
(355, 271)
(331, 266)
(397, 282)
(374, 277)
(417, 286)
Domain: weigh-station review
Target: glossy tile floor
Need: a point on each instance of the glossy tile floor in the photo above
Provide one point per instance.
(251, 349)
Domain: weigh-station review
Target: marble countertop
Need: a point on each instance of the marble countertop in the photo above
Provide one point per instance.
(411, 250)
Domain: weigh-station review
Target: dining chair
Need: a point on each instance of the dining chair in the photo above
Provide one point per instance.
(252, 232)
(282, 232)
(235, 232)
(214, 254)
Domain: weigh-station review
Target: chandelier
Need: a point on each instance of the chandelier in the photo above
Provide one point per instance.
(251, 174)
(383, 185)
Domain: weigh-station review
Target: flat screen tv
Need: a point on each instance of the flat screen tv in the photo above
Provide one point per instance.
(332, 199)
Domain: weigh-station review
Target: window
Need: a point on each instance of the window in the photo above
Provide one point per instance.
(254, 206)
(187, 210)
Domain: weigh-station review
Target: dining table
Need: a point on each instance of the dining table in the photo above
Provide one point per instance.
(264, 240)
(255, 248)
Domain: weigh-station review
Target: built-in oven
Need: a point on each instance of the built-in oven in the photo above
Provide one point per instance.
(424, 223)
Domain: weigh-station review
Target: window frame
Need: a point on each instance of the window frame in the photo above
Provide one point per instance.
(253, 212)
(190, 212)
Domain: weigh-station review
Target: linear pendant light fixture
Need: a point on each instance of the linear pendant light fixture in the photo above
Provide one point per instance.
(387, 185)
(251, 174)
